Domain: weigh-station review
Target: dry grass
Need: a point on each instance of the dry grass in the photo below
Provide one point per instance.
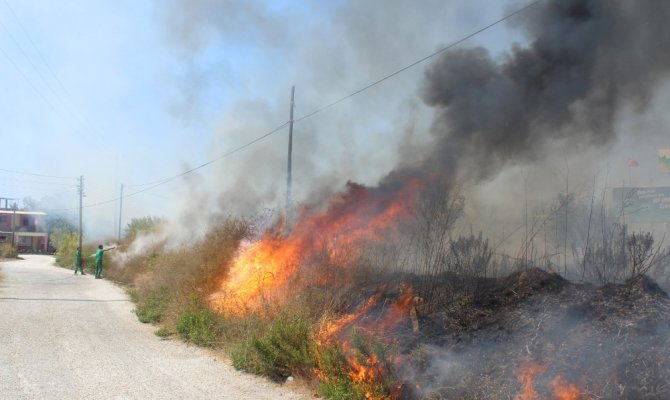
(170, 288)
(167, 280)
(7, 251)
(452, 275)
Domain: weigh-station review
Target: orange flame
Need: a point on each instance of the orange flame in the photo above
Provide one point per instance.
(361, 215)
(526, 376)
(562, 389)
(391, 318)
(368, 371)
(399, 311)
(334, 328)
(269, 268)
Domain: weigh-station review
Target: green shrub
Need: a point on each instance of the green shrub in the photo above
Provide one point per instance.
(7, 251)
(198, 324)
(151, 307)
(246, 358)
(66, 244)
(284, 350)
(163, 332)
(198, 327)
(334, 381)
(286, 347)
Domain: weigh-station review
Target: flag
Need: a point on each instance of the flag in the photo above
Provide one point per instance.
(632, 163)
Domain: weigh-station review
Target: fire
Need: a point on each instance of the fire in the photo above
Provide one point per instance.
(526, 376)
(561, 388)
(265, 264)
(265, 268)
(397, 313)
(364, 368)
(564, 390)
(333, 328)
(318, 250)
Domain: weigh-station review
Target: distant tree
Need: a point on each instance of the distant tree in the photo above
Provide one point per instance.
(29, 204)
(138, 226)
(63, 237)
(642, 255)
(58, 223)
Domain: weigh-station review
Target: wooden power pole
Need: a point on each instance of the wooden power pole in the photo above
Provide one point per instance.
(120, 210)
(14, 206)
(81, 196)
(290, 151)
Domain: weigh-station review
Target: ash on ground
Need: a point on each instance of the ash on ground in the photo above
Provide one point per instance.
(608, 342)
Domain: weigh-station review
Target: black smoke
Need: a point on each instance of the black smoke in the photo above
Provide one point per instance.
(584, 60)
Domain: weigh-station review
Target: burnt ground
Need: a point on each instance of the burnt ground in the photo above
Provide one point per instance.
(611, 342)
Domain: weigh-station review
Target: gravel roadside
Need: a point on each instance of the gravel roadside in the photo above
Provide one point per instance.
(67, 336)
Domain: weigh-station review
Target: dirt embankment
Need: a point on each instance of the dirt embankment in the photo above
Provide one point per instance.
(532, 329)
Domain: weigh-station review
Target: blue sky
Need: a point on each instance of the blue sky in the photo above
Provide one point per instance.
(136, 91)
(85, 84)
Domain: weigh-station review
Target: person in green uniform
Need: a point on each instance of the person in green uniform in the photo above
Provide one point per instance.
(78, 265)
(98, 262)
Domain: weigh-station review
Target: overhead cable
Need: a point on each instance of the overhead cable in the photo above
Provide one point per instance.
(331, 104)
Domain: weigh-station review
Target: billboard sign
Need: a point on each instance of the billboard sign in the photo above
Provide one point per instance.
(643, 204)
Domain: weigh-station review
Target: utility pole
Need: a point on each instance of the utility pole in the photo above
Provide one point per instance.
(290, 150)
(120, 209)
(567, 205)
(81, 196)
(14, 206)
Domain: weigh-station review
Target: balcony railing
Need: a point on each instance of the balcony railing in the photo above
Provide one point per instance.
(32, 228)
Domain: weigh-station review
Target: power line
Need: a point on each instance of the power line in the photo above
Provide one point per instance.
(28, 181)
(229, 153)
(37, 186)
(169, 179)
(25, 31)
(324, 107)
(417, 62)
(69, 104)
(25, 77)
(34, 174)
(30, 60)
(32, 183)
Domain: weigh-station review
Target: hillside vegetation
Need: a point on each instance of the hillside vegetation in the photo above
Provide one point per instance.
(462, 322)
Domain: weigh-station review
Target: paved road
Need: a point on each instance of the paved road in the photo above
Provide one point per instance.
(74, 337)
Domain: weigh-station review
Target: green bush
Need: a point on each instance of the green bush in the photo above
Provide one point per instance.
(7, 251)
(198, 327)
(284, 350)
(163, 332)
(246, 358)
(66, 244)
(151, 307)
(143, 225)
(198, 324)
(334, 381)
(88, 260)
